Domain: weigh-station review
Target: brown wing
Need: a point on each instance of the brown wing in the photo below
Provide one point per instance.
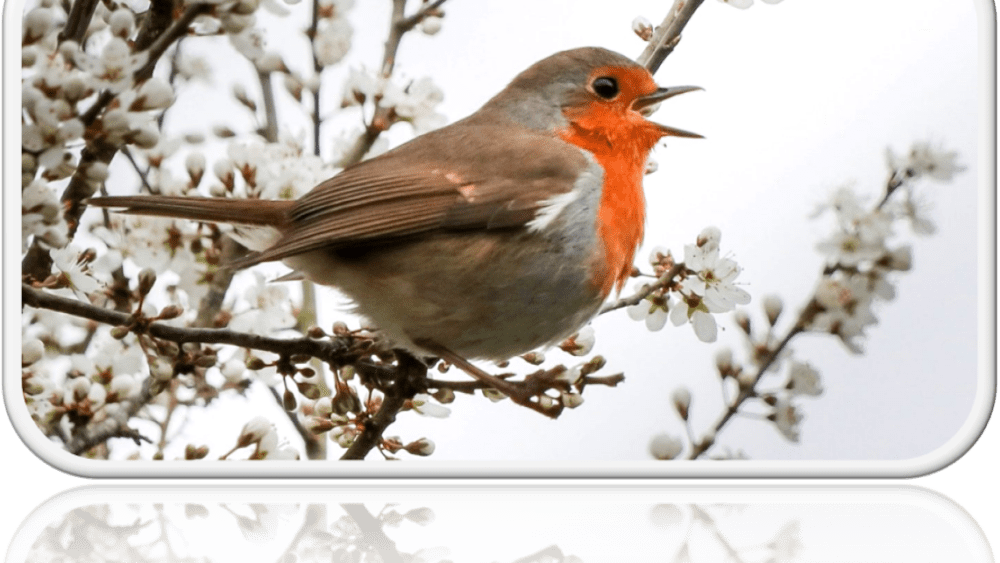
(461, 177)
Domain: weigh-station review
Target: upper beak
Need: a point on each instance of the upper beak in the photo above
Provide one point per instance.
(662, 94)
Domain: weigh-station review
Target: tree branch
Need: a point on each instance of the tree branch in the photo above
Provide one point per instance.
(701, 447)
(667, 34)
(334, 351)
(411, 376)
(662, 281)
(78, 20)
(399, 25)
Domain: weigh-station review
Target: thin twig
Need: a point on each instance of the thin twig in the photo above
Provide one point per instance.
(399, 25)
(701, 447)
(270, 110)
(333, 351)
(667, 34)
(79, 447)
(664, 280)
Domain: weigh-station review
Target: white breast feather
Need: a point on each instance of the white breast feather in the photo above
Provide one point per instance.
(551, 208)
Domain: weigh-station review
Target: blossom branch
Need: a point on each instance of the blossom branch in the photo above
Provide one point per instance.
(400, 24)
(410, 379)
(663, 281)
(106, 432)
(668, 34)
(334, 351)
(700, 447)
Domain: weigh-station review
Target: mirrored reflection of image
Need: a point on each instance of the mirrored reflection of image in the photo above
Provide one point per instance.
(497, 526)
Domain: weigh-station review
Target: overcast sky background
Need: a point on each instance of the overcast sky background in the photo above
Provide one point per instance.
(800, 98)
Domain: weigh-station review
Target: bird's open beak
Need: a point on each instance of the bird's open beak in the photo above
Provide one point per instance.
(658, 96)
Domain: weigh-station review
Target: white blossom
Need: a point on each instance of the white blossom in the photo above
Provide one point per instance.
(926, 160)
(803, 379)
(714, 280)
(333, 40)
(425, 405)
(66, 261)
(114, 68)
(787, 419)
(704, 324)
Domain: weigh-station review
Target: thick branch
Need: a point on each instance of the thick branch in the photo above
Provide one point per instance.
(667, 34)
(411, 376)
(157, 21)
(78, 20)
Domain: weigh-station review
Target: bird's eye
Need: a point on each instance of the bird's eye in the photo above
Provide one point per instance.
(606, 87)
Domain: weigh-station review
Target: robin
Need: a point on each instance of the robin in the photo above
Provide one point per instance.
(485, 239)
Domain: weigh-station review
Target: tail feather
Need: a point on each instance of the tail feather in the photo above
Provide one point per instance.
(273, 213)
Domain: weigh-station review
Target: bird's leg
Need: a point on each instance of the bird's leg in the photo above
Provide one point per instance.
(517, 393)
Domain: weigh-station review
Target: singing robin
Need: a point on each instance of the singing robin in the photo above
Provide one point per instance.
(485, 239)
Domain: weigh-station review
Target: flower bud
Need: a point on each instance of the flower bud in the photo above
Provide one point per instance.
(323, 406)
(288, 401)
(772, 308)
(119, 332)
(571, 400)
(161, 370)
(145, 137)
(431, 25)
(444, 396)
(195, 164)
(901, 259)
(147, 277)
(121, 22)
(421, 447)
(643, 28)
(37, 23)
(709, 238)
(254, 431)
(665, 446)
(32, 351)
(534, 358)
(682, 402)
(743, 320)
(724, 361)
(206, 360)
(97, 395)
(154, 93)
(192, 452)
(255, 363)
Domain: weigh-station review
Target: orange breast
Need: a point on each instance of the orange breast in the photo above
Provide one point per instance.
(622, 152)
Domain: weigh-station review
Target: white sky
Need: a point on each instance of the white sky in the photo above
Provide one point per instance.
(801, 97)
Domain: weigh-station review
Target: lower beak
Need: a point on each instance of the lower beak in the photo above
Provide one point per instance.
(658, 96)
